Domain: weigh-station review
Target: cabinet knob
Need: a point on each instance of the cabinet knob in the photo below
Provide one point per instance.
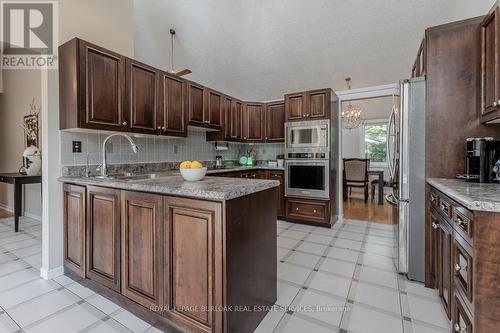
(495, 103)
(124, 123)
(314, 211)
(457, 328)
(164, 128)
(434, 225)
(458, 268)
(159, 127)
(297, 209)
(245, 137)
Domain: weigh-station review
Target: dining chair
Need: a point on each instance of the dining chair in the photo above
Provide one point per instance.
(355, 175)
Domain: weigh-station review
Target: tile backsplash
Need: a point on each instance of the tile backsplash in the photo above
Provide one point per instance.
(155, 149)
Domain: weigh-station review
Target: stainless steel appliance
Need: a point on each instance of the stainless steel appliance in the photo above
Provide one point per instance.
(406, 161)
(480, 160)
(308, 135)
(307, 175)
(219, 164)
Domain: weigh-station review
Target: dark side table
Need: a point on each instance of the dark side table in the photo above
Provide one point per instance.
(18, 181)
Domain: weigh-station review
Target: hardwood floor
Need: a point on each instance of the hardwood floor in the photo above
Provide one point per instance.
(4, 214)
(356, 209)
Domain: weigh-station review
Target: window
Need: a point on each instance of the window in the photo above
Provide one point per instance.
(375, 137)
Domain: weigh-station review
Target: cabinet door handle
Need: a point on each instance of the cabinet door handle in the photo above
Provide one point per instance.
(434, 225)
(460, 329)
(297, 209)
(159, 127)
(124, 123)
(314, 211)
(461, 222)
(495, 103)
(164, 128)
(458, 268)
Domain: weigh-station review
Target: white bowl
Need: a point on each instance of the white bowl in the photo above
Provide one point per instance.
(193, 175)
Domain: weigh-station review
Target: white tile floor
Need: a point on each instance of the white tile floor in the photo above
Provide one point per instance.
(338, 280)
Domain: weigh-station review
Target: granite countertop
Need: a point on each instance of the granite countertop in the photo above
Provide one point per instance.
(171, 183)
(474, 196)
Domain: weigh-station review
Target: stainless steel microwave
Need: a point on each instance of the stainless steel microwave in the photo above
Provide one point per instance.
(308, 134)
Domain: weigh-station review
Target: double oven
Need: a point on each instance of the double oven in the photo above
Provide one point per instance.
(307, 159)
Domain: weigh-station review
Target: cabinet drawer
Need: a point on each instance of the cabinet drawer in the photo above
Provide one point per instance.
(463, 266)
(462, 222)
(445, 206)
(276, 175)
(462, 320)
(308, 210)
(433, 198)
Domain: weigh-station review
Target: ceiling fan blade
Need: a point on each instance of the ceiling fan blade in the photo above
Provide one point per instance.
(183, 72)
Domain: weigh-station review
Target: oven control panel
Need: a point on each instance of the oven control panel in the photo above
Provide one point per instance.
(307, 155)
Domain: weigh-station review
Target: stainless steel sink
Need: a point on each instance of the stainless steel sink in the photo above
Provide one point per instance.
(131, 176)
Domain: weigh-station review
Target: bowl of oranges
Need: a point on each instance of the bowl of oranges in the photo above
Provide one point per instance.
(192, 171)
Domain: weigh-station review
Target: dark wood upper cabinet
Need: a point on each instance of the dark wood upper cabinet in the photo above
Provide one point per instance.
(314, 104)
(196, 105)
(215, 104)
(275, 122)
(173, 105)
(318, 104)
(253, 123)
(74, 228)
(103, 236)
(295, 106)
(142, 83)
(228, 118)
(490, 103)
(102, 88)
(237, 120)
(142, 243)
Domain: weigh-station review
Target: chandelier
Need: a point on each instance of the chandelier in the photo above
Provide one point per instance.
(352, 115)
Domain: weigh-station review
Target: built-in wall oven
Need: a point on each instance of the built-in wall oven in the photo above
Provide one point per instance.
(308, 135)
(307, 175)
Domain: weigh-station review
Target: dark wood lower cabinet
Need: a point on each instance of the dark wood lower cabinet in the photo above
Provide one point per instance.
(195, 244)
(103, 236)
(175, 262)
(444, 273)
(141, 239)
(308, 211)
(74, 228)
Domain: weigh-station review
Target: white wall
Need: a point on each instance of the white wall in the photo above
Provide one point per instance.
(20, 87)
(108, 23)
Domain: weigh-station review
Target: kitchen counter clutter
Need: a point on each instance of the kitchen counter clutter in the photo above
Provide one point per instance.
(474, 196)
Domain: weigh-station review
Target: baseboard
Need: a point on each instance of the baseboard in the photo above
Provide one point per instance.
(27, 214)
(52, 273)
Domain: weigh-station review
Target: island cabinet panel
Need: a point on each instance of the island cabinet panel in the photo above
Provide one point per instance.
(173, 105)
(102, 84)
(103, 236)
(195, 238)
(275, 122)
(141, 239)
(253, 122)
(74, 228)
(142, 97)
(196, 105)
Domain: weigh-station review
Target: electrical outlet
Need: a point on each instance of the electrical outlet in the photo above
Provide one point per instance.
(77, 146)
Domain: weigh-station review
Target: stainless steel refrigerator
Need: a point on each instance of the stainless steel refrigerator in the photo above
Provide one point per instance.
(406, 159)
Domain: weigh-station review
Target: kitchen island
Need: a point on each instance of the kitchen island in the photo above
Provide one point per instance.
(184, 256)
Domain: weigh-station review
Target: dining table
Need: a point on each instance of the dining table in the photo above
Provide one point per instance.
(380, 174)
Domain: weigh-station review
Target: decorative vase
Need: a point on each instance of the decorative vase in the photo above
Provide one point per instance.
(32, 161)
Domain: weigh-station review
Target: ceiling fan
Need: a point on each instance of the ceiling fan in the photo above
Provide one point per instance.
(171, 70)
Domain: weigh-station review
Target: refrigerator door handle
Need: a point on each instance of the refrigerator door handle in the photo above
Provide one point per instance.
(389, 158)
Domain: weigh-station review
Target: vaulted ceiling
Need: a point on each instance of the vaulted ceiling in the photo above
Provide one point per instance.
(261, 49)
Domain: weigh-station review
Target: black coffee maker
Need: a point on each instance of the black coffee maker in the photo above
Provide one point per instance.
(481, 158)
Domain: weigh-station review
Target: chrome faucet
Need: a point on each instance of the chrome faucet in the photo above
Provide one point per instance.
(104, 168)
